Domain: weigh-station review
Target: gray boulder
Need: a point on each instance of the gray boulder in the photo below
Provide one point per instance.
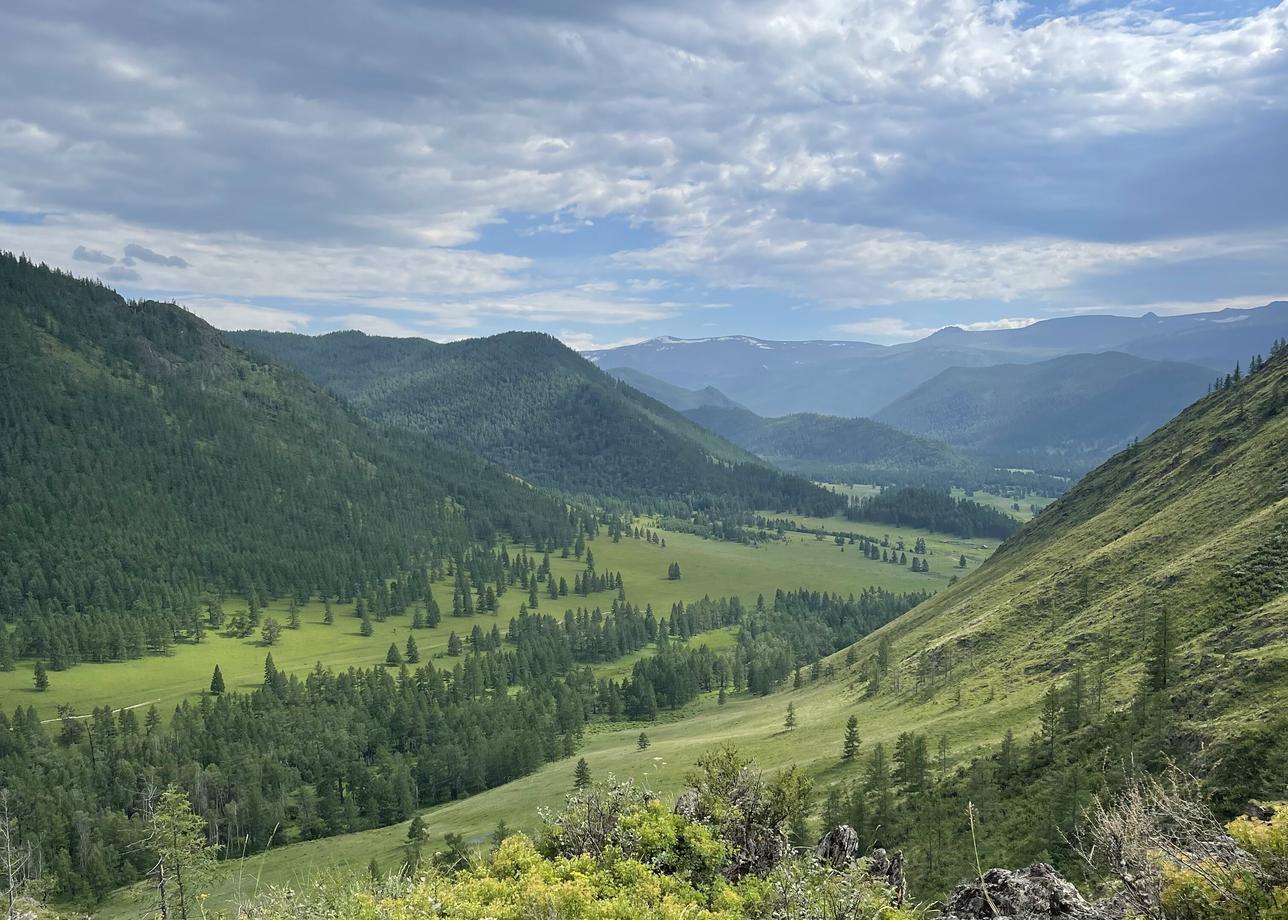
(1035, 893)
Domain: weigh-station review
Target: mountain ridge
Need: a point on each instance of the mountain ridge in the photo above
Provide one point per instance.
(537, 408)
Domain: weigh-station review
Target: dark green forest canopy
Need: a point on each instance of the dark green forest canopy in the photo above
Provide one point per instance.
(934, 510)
(144, 460)
(534, 406)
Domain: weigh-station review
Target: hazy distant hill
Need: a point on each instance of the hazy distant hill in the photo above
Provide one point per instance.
(529, 403)
(860, 378)
(831, 448)
(1068, 412)
(678, 398)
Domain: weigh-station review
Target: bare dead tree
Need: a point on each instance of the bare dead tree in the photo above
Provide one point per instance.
(14, 859)
(1157, 823)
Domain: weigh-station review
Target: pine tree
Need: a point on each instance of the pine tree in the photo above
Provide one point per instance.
(643, 742)
(328, 615)
(581, 775)
(366, 629)
(961, 561)
(270, 670)
(454, 645)
(1159, 665)
(41, 678)
(412, 654)
(393, 658)
(789, 722)
(271, 632)
(850, 746)
(217, 681)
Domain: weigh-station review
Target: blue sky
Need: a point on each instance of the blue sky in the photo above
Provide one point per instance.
(616, 170)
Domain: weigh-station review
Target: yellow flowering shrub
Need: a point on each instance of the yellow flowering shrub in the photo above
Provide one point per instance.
(1221, 892)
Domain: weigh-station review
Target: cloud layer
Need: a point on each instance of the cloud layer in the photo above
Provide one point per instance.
(608, 171)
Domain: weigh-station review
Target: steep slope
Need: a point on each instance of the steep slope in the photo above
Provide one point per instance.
(678, 398)
(534, 406)
(860, 378)
(830, 448)
(1063, 413)
(144, 460)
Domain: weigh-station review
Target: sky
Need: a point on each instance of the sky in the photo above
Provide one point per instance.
(612, 170)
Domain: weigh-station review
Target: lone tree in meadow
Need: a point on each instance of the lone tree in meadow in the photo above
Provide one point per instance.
(217, 681)
(271, 632)
(850, 746)
(366, 629)
(412, 653)
(673, 571)
(454, 645)
(643, 742)
(581, 775)
(961, 561)
(789, 723)
(394, 657)
(41, 678)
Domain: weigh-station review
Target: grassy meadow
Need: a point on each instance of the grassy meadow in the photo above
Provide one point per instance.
(709, 568)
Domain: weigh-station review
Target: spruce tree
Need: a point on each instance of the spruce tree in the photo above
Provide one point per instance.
(41, 678)
(412, 654)
(217, 681)
(1159, 665)
(366, 629)
(643, 742)
(581, 775)
(850, 746)
(789, 722)
(393, 657)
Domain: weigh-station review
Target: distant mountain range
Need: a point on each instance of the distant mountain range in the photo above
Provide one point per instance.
(862, 379)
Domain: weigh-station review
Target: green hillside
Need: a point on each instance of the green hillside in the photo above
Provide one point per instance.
(144, 461)
(534, 406)
(1066, 413)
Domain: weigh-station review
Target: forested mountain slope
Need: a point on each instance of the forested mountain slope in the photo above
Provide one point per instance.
(534, 406)
(1065, 413)
(831, 448)
(143, 461)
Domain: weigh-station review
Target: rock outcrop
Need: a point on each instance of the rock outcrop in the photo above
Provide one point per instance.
(840, 848)
(1035, 893)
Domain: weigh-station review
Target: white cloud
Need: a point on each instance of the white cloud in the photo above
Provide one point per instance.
(584, 341)
(885, 328)
(228, 315)
(1010, 322)
(851, 155)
